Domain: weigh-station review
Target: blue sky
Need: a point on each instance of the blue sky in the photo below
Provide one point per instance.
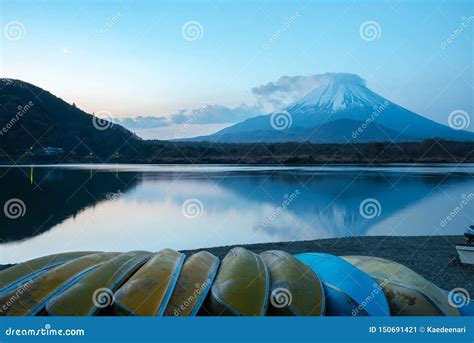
(130, 57)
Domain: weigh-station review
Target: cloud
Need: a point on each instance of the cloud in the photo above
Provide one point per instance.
(269, 97)
(287, 89)
(216, 114)
(207, 114)
(143, 122)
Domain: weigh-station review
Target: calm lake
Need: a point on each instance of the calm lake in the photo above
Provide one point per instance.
(51, 209)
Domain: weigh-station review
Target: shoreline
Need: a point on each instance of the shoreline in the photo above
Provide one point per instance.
(433, 257)
(287, 162)
(275, 153)
(242, 163)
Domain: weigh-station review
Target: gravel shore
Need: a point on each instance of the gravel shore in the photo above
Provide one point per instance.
(434, 257)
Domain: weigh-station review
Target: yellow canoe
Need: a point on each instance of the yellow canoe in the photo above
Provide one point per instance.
(241, 287)
(30, 298)
(407, 292)
(95, 291)
(194, 283)
(149, 290)
(23, 272)
(295, 288)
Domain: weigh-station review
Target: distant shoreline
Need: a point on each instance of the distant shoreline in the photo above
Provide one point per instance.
(288, 153)
(247, 162)
(230, 164)
(433, 257)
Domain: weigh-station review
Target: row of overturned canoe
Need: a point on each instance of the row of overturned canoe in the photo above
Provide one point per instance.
(244, 283)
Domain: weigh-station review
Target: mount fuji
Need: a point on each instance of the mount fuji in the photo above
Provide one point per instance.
(339, 109)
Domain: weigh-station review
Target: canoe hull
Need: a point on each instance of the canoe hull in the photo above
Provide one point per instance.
(32, 300)
(467, 310)
(340, 304)
(466, 253)
(241, 287)
(149, 290)
(404, 301)
(295, 288)
(194, 283)
(95, 291)
(27, 271)
(359, 294)
(408, 293)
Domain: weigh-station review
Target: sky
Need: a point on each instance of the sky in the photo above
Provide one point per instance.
(159, 58)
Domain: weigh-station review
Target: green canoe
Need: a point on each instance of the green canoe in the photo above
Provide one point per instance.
(30, 298)
(193, 284)
(148, 291)
(241, 287)
(295, 288)
(23, 272)
(407, 292)
(96, 290)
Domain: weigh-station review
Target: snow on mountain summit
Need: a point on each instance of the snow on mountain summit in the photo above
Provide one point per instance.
(335, 92)
(334, 107)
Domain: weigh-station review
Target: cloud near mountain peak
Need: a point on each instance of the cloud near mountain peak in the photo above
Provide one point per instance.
(290, 88)
(269, 97)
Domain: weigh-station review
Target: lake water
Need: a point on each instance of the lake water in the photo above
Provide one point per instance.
(51, 209)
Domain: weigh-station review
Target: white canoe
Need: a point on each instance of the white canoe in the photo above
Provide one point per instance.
(466, 253)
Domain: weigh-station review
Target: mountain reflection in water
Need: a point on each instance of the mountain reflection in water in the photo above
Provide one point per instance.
(145, 207)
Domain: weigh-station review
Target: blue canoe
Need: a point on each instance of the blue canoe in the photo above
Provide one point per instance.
(464, 305)
(467, 309)
(349, 291)
(469, 233)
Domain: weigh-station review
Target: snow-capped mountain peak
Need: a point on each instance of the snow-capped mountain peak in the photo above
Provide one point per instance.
(336, 107)
(335, 92)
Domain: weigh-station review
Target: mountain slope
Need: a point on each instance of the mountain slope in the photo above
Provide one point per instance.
(32, 119)
(337, 131)
(338, 97)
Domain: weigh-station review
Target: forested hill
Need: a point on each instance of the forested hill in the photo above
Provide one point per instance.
(32, 119)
